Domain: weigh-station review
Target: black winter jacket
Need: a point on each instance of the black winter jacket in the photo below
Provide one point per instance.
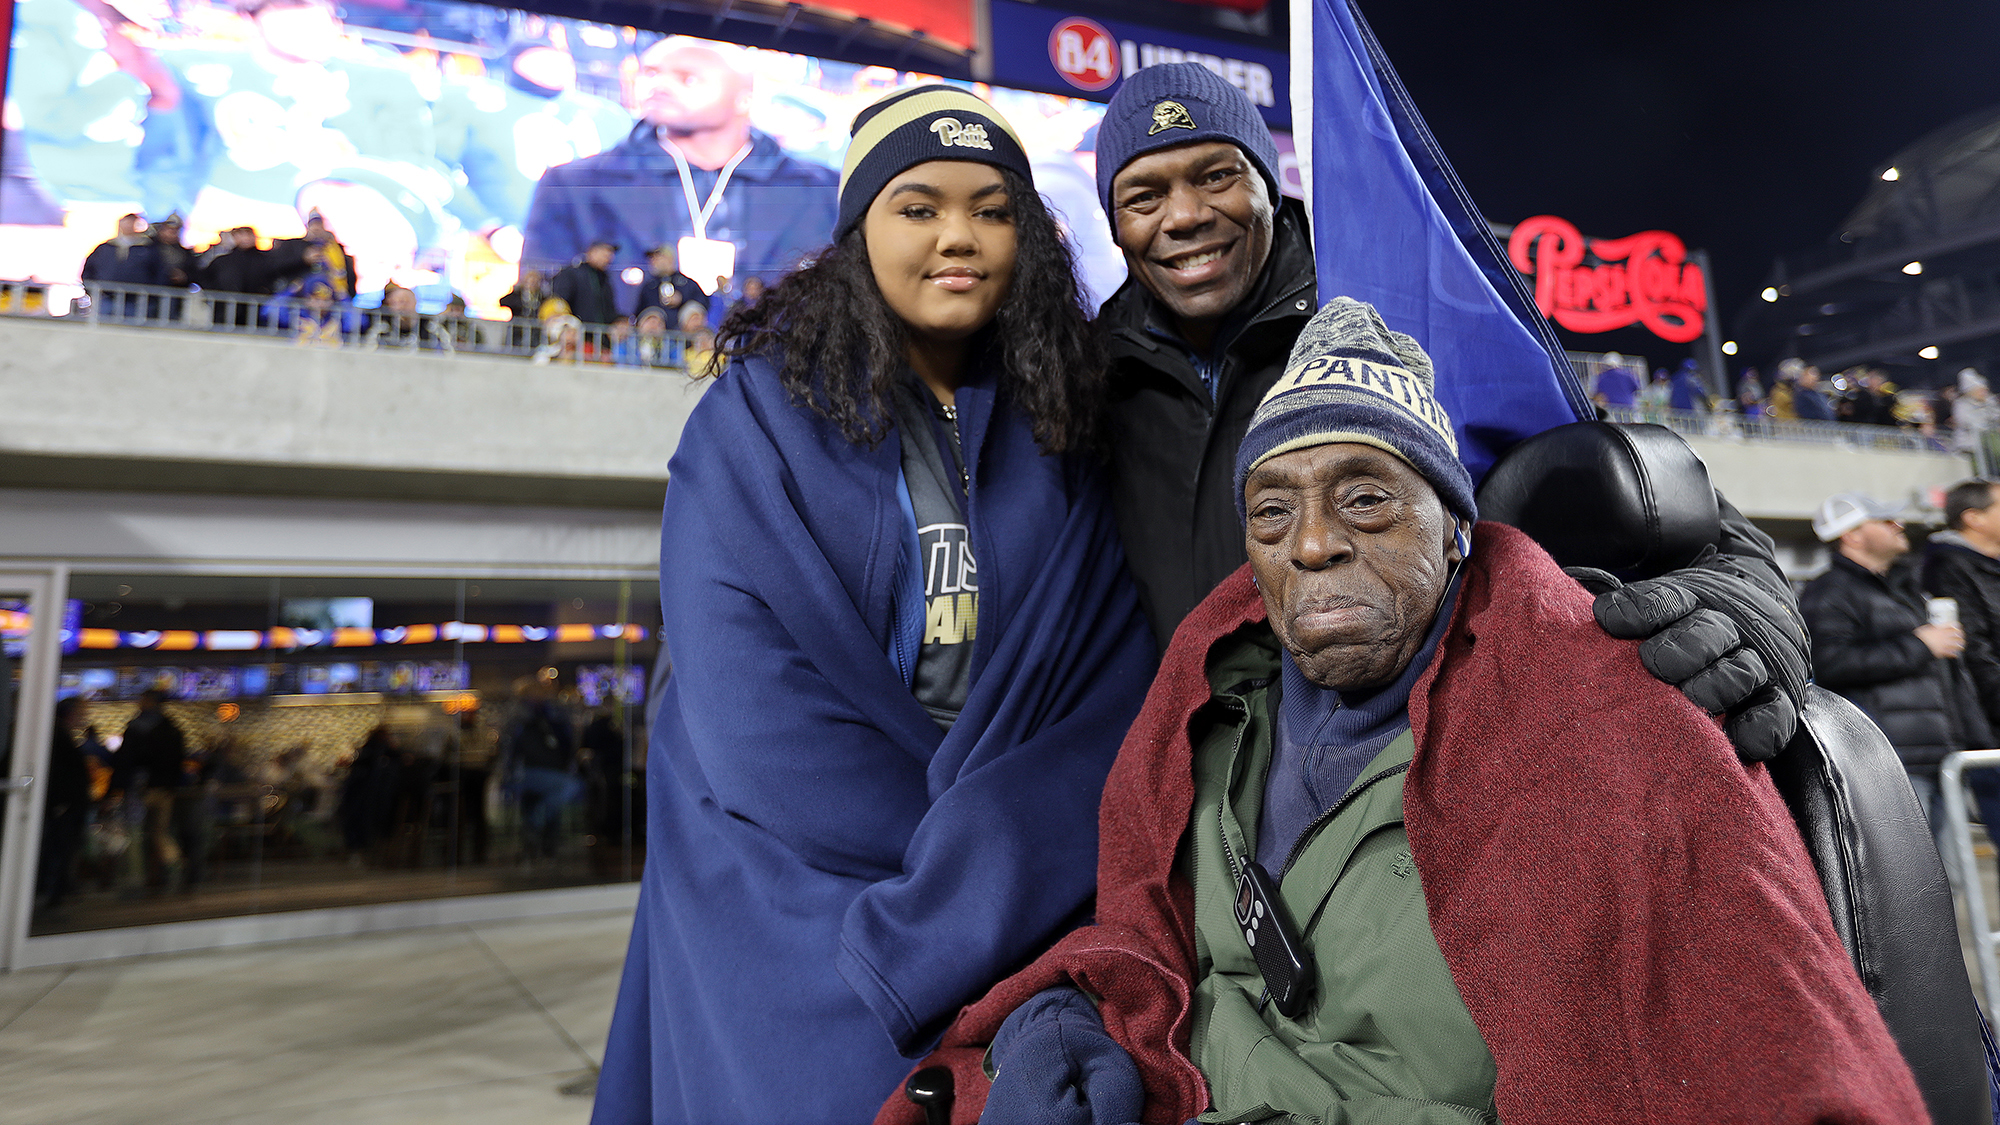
(1952, 569)
(1174, 446)
(1865, 647)
(587, 291)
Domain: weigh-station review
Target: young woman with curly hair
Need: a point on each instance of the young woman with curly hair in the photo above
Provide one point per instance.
(905, 648)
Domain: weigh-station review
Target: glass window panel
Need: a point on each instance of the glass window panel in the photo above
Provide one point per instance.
(352, 740)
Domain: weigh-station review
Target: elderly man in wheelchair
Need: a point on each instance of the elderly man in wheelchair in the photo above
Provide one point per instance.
(1403, 836)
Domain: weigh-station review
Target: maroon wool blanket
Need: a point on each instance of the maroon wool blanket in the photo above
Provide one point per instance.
(1627, 910)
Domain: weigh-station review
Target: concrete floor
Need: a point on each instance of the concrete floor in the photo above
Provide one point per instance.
(494, 1023)
(483, 1023)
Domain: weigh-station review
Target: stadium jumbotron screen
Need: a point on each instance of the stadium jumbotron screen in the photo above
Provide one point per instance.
(448, 144)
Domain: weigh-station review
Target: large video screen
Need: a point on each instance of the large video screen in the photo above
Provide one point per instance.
(448, 145)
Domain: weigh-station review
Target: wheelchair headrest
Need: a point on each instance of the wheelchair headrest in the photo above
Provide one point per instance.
(1630, 499)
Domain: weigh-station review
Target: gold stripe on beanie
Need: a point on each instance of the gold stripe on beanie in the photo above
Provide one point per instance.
(1395, 384)
(912, 108)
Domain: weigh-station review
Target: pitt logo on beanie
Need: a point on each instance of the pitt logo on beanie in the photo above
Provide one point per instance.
(1177, 104)
(912, 126)
(1350, 379)
(951, 131)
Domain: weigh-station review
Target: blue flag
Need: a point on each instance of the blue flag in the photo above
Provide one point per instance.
(1393, 226)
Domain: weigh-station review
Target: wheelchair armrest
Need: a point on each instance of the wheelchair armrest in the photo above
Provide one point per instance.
(1890, 901)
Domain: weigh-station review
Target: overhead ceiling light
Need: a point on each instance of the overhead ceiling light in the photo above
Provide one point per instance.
(1914, 268)
(1891, 175)
(1729, 347)
(1928, 353)
(1769, 294)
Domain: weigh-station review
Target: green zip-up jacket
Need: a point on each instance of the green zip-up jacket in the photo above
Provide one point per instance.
(1385, 1035)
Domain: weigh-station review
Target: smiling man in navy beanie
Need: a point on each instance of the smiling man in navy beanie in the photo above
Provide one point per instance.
(1221, 283)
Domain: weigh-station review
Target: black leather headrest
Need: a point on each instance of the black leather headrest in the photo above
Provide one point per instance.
(1630, 499)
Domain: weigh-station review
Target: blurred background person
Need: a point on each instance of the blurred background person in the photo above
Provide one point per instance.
(539, 755)
(129, 257)
(65, 807)
(1808, 401)
(740, 196)
(664, 285)
(1617, 388)
(524, 308)
(585, 285)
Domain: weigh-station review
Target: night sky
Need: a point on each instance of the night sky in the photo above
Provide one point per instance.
(1749, 127)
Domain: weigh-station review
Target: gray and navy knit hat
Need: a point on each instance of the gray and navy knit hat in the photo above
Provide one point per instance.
(1351, 379)
(912, 126)
(1173, 104)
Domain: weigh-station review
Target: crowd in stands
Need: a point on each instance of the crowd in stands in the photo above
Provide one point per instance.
(1961, 417)
(307, 288)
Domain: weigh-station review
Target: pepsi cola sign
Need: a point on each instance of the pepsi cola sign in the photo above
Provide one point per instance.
(1603, 284)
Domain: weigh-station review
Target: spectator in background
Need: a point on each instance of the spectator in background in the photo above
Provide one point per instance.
(65, 807)
(130, 257)
(367, 806)
(150, 762)
(1873, 401)
(651, 342)
(1686, 391)
(317, 254)
(1808, 401)
(234, 265)
(1962, 563)
(1873, 643)
(398, 324)
(1973, 416)
(540, 757)
(1779, 405)
(693, 144)
(621, 348)
(524, 308)
(565, 341)
(585, 285)
(1750, 394)
(664, 285)
(1617, 388)
(700, 341)
(753, 290)
(176, 260)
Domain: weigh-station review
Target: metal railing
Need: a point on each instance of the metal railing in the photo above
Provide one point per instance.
(1971, 884)
(321, 324)
(1700, 423)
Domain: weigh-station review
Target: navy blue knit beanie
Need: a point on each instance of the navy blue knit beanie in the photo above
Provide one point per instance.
(1172, 104)
(1350, 378)
(910, 127)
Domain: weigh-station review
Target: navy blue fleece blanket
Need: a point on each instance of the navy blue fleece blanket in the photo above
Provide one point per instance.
(829, 877)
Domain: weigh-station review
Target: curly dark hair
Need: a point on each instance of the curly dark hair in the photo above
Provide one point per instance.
(840, 348)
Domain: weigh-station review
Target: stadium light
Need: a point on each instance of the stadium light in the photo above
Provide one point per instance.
(1892, 175)
(1770, 294)
(1729, 347)
(1914, 268)
(1928, 353)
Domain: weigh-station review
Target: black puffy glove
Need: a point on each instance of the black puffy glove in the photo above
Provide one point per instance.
(1734, 646)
